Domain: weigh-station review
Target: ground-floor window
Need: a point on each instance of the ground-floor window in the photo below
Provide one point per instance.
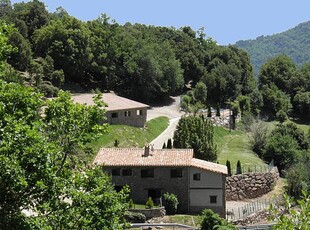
(213, 199)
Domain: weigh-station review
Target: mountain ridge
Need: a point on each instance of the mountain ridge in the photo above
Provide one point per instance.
(294, 42)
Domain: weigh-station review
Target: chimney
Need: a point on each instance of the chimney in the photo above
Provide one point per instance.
(146, 150)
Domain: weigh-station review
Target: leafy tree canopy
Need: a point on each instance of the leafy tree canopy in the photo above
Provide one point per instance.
(197, 133)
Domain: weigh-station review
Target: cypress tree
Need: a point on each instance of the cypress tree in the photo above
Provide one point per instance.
(169, 144)
(164, 145)
(228, 167)
(218, 110)
(209, 111)
(238, 171)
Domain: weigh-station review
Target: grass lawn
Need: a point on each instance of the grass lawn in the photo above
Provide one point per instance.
(129, 136)
(191, 220)
(234, 146)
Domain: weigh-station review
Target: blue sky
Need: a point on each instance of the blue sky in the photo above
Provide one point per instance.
(226, 21)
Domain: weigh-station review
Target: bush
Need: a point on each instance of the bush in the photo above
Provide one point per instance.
(171, 203)
(135, 217)
(210, 220)
(130, 203)
(149, 203)
(48, 89)
(116, 143)
(281, 116)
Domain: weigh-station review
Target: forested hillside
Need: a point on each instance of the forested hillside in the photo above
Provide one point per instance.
(294, 43)
(146, 63)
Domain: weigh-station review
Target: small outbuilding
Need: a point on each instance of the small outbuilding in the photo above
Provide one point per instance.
(119, 110)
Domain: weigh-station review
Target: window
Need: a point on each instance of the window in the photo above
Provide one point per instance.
(127, 113)
(213, 199)
(116, 172)
(139, 112)
(176, 173)
(196, 176)
(147, 173)
(127, 172)
(114, 115)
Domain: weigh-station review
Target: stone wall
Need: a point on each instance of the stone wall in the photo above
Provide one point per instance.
(151, 213)
(251, 185)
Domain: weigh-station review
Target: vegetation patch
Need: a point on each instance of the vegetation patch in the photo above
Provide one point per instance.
(235, 145)
(129, 136)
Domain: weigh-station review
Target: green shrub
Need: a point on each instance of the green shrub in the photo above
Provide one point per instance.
(48, 89)
(281, 116)
(149, 203)
(135, 217)
(130, 203)
(116, 143)
(210, 220)
(171, 203)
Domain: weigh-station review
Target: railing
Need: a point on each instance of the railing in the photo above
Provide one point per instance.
(250, 208)
(252, 169)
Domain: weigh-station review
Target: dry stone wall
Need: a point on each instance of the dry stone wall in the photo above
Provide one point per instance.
(251, 185)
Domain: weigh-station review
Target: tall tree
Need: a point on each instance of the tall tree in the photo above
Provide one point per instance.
(197, 133)
(35, 174)
(67, 42)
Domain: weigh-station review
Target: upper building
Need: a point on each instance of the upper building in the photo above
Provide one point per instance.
(150, 172)
(119, 110)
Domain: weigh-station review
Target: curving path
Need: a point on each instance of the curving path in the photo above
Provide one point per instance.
(171, 111)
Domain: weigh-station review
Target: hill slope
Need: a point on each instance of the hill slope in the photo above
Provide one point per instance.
(294, 42)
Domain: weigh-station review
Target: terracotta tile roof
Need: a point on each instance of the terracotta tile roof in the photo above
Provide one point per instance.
(113, 101)
(135, 157)
(210, 166)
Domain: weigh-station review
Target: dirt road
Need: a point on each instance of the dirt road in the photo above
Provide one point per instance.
(171, 111)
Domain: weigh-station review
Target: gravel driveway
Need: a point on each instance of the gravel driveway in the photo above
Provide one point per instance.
(171, 111)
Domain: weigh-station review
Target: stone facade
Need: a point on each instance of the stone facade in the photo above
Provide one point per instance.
(251, 185)
(133, 117)
(193, 195)
(141, 188)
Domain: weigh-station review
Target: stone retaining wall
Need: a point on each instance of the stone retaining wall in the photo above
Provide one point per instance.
(251, 185)
(150, 213)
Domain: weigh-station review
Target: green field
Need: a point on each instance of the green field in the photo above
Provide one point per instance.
(129, 136)
(234, 146)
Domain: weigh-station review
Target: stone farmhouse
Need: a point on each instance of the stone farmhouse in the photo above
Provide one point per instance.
(150, 172)
(119, 110)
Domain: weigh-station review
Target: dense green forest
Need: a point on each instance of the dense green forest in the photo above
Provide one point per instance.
(294, 43)
(146, 63)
